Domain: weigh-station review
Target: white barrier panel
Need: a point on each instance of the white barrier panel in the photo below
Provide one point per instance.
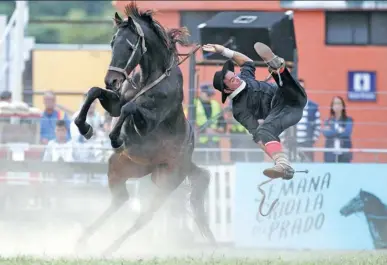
(335, 206)
(220, 201)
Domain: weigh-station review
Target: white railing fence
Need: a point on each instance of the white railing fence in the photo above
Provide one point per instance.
(14, 50)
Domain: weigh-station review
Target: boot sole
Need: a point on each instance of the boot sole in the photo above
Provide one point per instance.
(273, 174)
(264, 52)
(268, 56)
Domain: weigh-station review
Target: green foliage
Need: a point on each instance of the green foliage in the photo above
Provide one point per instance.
(68, 32)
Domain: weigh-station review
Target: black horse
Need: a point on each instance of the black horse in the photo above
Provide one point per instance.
(375, 212)
(151, 135)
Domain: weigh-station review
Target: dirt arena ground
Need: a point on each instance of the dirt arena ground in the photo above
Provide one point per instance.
(218, 257)
(48, 240)
(56, 245)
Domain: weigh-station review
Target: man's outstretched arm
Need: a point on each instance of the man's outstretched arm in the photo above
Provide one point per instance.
(239, 58)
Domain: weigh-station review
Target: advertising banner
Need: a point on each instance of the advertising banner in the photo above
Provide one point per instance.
(334, 206)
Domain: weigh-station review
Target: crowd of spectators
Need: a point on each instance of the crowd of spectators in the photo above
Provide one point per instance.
(63, 141)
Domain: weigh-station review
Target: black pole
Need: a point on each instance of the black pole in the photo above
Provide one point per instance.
(293, 130)
(192, 90)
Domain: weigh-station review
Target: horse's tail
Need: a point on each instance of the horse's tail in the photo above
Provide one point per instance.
(179, 35)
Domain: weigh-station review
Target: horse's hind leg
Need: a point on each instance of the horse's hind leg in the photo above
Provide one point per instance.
(109, 100)
(120, 168)
(166, 183)
(144, 218)
(200, 179)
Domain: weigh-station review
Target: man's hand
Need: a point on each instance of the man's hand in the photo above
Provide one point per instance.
(215, 48)
(238, 57)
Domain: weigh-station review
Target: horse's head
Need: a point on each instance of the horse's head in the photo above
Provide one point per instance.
(141, 40)
(128, 46)
(361, 202)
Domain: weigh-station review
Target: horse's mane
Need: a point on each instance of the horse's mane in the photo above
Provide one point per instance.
(168, 38)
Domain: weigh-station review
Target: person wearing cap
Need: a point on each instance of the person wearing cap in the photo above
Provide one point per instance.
(206, 109)
(264, 109)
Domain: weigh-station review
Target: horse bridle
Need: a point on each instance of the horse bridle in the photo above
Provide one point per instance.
(141, 40)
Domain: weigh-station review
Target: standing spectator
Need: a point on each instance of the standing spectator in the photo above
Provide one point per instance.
(6, 96)
(208, 108)
(60, 148)
(49, 118)
(308, 128)
(338, 131)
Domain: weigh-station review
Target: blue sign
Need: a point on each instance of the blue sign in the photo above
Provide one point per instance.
(334, 206)
(362, 86)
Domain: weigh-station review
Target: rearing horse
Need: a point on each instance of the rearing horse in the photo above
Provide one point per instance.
(151, 135)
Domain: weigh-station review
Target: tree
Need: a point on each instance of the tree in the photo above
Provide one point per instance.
(67, 33)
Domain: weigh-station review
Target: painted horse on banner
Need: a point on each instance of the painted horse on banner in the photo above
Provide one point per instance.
(375, 212)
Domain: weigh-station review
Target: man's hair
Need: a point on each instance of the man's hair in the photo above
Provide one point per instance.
(49, 94)
(60, 123)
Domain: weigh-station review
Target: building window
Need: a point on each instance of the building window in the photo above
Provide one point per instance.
(356, 28)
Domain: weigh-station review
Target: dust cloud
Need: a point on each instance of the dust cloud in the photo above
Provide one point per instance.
(46, 220)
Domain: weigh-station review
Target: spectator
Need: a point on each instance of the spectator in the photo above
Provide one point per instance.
(308, 128)
(6, 96)
(49, 118)
(60, 148)
(208, 108)
(338, 131)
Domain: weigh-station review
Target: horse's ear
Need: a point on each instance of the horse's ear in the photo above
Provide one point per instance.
(117, 19)
(130, 21)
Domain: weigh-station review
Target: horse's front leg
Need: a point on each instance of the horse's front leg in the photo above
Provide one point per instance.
(115, 140)
(109, 100)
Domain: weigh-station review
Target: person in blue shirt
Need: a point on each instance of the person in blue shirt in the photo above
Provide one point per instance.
(49, 118)
(308, 128)
(338, 132)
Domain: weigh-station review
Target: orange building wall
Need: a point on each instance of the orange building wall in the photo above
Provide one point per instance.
(324, 68)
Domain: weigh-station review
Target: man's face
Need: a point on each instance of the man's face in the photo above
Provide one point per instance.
(60, 133)
(204, 96)
(232, 81)
(49, 102)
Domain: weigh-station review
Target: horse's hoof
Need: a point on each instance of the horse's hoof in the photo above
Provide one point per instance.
(89, 133)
